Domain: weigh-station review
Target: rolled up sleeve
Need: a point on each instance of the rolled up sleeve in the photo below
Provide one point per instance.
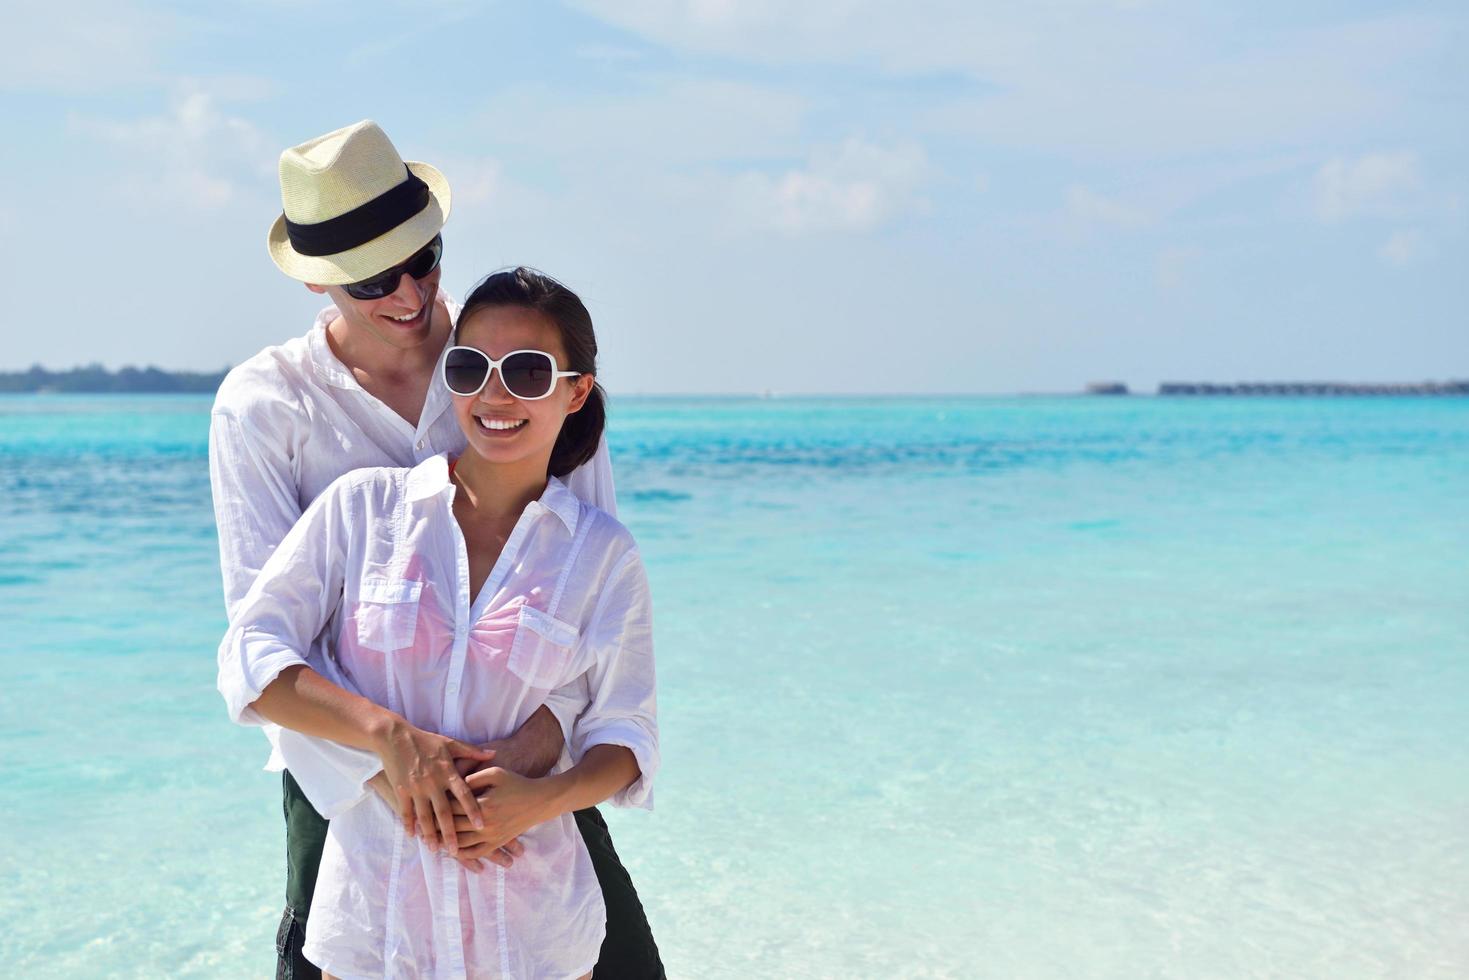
(623, 709)
(248, 661)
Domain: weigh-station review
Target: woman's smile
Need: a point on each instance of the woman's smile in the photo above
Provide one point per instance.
(499, 426)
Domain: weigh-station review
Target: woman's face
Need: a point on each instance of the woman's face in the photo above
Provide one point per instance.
(500, 427)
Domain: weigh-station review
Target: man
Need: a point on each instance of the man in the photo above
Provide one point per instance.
(360, 389)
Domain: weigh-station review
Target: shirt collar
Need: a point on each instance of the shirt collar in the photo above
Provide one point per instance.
(330, 369)
(559, 500)
(431, 477)
(428, 478)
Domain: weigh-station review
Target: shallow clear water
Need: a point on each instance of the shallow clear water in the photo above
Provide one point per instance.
(996, 687)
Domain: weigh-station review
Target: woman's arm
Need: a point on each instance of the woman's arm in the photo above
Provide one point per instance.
(265, 673)
(615, 740)
(419, 765)
(623, 705)
(510, 804)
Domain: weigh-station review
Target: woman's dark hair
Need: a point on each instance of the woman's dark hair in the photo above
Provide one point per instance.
(532, 290)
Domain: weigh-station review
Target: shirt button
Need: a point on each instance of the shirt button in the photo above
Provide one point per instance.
(453, 687)
(420, 444)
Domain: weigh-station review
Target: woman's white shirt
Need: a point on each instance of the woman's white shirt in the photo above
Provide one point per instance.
(371, 589)
(285, 424)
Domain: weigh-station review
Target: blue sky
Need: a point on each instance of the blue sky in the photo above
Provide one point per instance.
(832, 196)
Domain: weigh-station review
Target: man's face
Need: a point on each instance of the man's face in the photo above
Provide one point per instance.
(401, 319)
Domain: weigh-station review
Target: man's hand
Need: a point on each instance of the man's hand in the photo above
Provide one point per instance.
(469, 857)
(508, 805)
(531, 751)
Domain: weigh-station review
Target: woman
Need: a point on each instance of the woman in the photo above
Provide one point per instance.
(453, 597)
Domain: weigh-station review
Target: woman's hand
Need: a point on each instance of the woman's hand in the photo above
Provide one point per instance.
(421, 767)
(503, 856)
(384, 789)
(507, 805)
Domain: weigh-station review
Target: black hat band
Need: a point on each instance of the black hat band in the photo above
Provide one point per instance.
(362, 224)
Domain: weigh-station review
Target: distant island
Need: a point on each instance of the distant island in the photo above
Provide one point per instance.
(1248, 388)
(95, 379)
(1315, 388)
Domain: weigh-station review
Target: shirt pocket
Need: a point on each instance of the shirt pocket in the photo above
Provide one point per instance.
(542, 649)
(387, 613)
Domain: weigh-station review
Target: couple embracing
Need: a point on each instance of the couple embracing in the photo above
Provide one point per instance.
(434, 616)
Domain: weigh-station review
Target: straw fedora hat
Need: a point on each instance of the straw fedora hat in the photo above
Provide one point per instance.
(353, 207)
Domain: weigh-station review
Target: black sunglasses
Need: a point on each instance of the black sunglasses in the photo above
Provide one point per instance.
(420, 264)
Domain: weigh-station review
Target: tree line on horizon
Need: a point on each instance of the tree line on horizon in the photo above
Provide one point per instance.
(96, 379)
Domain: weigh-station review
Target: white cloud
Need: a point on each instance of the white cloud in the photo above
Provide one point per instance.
(194, 156)
(81, 46)
(932, 36)
(668, 121)
(229, 87)
(1375, 184)
(854, 187)
(1090, 207)
(1077, 76)
(1402, 248)
(393, 43)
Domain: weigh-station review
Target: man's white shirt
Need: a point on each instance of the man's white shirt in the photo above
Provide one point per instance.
(285, 424)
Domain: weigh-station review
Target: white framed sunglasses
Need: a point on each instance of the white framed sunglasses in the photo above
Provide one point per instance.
(529, 375)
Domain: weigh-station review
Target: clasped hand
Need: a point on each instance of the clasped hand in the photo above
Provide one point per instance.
(505, 805)
(424, 771)
(441, 789)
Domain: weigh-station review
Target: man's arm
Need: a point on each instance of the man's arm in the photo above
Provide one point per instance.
(533, 749)
(256, 503)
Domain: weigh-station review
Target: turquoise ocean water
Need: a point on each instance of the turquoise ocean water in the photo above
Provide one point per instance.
(949, 687)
